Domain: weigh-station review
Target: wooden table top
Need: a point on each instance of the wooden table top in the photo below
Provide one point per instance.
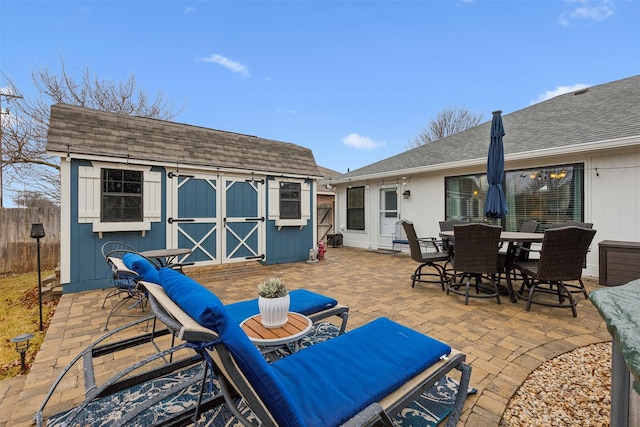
(297, 326)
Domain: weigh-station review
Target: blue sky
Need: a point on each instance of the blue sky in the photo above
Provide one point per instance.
(354, 81)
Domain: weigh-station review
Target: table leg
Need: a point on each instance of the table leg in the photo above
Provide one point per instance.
(508, 266)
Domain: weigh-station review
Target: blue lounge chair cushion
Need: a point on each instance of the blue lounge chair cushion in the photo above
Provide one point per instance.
(147, 271)
(207, 309)
(333, 381)
(302, 301)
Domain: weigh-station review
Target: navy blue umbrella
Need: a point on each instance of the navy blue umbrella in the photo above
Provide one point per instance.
(496, 204)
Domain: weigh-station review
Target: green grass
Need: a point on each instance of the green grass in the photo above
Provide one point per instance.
(20, 314)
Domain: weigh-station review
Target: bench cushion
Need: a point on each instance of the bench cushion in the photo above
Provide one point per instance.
(302, 301)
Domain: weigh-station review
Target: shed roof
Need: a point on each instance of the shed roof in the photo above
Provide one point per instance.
(89, 132)
(605, 112)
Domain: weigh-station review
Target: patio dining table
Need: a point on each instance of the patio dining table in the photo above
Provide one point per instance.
(512, 238)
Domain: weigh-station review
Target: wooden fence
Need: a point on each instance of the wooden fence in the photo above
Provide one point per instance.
(18, 250)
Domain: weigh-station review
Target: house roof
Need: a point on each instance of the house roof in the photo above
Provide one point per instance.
(87, 132)
(601, 113)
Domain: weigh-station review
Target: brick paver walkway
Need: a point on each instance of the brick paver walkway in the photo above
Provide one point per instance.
(503, 343)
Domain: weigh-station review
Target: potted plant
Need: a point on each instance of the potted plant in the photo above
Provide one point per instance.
(273, 302)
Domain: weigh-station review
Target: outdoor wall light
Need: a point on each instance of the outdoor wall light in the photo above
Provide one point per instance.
(22, 345)
(37, 232)
(406, 194)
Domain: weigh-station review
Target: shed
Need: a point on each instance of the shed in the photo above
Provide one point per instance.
(154, 184)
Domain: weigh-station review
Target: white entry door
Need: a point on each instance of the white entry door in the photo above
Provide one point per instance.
(388, 216)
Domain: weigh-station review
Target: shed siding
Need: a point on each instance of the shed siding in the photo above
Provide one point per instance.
(290, 244)
(88, 268)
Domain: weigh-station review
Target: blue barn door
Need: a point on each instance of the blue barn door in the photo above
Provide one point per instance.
(220, 218)
(193, 218)
(244, 219)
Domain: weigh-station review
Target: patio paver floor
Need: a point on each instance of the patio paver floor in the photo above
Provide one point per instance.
(503, 343)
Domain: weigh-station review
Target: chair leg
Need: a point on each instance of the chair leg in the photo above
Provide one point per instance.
(417, 275)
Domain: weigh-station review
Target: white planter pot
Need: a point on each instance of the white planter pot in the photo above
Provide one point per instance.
(274, 311)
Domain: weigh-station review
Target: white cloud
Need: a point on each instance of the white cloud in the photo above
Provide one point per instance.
(362, 142)
(283, 111)
(230, 64)
(594, 10)
(190, 9)
(560, 90)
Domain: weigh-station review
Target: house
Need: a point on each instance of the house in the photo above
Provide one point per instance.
(154, 184)
(572, 157)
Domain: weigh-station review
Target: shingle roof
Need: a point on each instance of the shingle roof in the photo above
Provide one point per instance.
(605, 112)
(98, 133)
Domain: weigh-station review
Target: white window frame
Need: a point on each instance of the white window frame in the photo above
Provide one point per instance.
(90, 198)
(274, 203)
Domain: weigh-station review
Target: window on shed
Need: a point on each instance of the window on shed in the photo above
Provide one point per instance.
(355, 208)
(290, 200)
(121, 196)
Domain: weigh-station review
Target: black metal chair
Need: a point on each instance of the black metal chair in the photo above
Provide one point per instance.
(425, 257)
(124, 280)
(561, 259)
(476, 256)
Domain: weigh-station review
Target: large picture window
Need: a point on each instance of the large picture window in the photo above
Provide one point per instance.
(548, 195)
(121, 196)
(355, 208)
(290, 202)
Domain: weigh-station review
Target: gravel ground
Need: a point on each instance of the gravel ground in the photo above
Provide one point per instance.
(574, 389)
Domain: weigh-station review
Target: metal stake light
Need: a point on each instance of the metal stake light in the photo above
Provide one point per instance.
(37, 232)
(22, 345)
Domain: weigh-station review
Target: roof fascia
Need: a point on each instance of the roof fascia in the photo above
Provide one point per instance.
(133, 161)
(525, 155)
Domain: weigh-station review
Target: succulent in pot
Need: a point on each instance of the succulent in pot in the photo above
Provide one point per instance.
(272, 288)
(273, 302)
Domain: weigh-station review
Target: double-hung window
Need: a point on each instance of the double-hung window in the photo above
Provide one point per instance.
(355, 208)
(115, 197)
(121, 196)
(290, 200)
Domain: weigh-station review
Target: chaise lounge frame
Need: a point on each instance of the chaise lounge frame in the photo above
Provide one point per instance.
(233, 382)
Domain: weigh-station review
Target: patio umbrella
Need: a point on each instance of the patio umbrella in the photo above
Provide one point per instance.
(496, 204)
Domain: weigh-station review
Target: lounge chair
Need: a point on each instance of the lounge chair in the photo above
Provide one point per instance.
(313, 305)
(362, 377)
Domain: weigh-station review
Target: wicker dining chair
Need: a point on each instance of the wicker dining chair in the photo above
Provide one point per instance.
(561, 260)
(476, 257)
(448, 245)
(430, 256)
(579, 288)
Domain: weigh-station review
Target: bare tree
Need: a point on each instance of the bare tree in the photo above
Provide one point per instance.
(24, 135)
(31, 199)
(448, 121)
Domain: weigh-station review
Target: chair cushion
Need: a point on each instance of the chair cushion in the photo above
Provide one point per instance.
(302, 301)
(332, 381)
(207, 309)
(147, 271)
